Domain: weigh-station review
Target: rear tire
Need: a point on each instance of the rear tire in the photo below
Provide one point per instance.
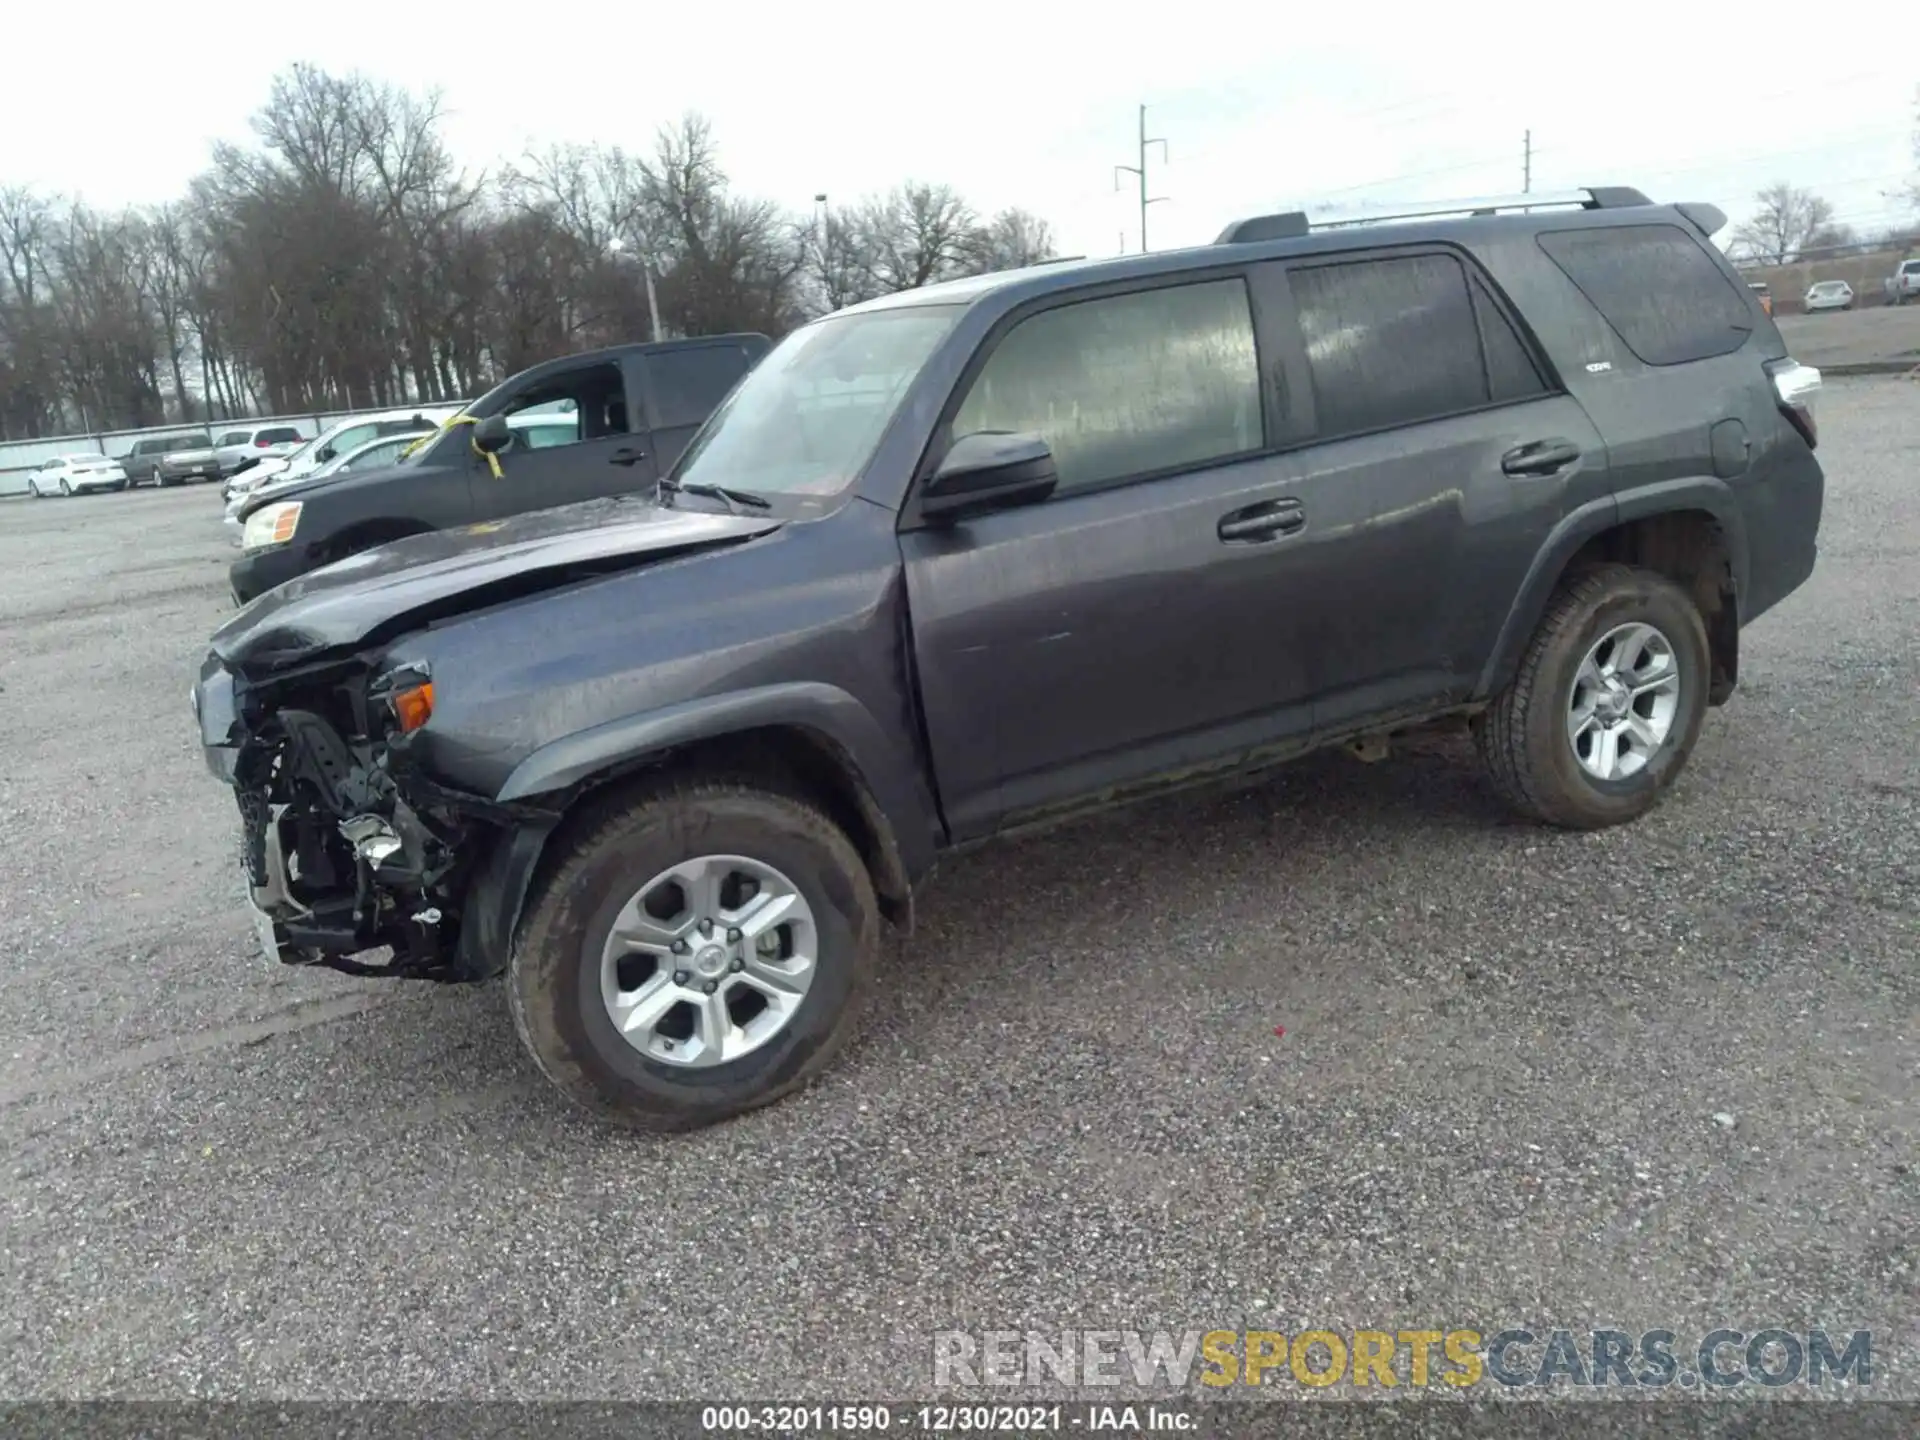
(66, 490)
(564, 991)
(1551, 765)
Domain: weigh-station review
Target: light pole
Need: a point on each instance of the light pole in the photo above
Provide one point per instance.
(616, 245)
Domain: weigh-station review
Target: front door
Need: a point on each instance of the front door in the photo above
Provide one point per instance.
(576, 436)
(1145, 619)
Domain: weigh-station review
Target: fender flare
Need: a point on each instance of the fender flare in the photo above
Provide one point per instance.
(892, 796)
(1582, 524)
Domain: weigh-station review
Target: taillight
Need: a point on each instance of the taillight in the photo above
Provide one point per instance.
(262, 443)
(1795, 387)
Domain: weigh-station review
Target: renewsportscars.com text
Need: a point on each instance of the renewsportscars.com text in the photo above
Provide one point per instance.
(1455, 1358)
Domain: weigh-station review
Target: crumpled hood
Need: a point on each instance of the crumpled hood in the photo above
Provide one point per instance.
(392, 588)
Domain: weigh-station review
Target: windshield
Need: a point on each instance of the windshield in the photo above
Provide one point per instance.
(807, 418)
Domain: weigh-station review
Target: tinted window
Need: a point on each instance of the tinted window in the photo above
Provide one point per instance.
(279, 436)
(235, 437)
(688, 384)
(1157, 380)
(1511, 372)
(1391, 342)
(1659, 290)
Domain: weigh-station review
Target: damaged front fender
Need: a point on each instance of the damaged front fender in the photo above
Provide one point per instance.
(347, 850)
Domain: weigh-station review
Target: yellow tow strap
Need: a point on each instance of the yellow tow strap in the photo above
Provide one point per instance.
(493, 460)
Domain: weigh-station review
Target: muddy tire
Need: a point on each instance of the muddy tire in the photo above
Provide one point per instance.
(700, 949)
(1607, 703)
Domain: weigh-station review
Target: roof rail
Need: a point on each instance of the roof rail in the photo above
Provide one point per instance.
(1292, 224)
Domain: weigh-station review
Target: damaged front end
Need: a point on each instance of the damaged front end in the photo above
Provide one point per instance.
(347, 848)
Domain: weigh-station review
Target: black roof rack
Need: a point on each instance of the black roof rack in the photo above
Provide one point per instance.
(1293, 224)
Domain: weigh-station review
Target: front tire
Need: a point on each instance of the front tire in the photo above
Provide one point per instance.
(1607, 704)
(66, 490)
(701, 949)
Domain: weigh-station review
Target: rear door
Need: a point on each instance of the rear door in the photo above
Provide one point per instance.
(1441, 457)
(685, 385)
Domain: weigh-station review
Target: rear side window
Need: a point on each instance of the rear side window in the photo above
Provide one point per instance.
(689, 384)
(1403, 339)
(1156, 380)
(1659, 290)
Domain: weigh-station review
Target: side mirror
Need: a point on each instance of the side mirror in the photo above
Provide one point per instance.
(492, 435)
(989, 470)
(325, 452)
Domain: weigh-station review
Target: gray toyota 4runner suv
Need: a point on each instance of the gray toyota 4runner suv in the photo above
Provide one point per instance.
(992, 553)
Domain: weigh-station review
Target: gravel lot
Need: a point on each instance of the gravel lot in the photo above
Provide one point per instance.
(1493, 1102)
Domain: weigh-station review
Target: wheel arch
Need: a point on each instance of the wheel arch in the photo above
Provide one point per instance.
(1689, 530)
(374, 530)
(814, 741)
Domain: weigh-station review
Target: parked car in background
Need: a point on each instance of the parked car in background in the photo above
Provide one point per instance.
(529, 433)
(76, 475)
(142, 462)
(614, 421)
(1763, 293)
(1829, 295)
(988, 555)
(1904, 284)
(237, 449)
(336, 440)
(183, 467)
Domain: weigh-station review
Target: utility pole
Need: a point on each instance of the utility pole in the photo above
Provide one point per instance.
(1140, 172)
(1526, 166)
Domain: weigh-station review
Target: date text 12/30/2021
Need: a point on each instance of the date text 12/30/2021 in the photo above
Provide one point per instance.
(945, 1419)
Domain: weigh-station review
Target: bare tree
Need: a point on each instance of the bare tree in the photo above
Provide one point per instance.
(344, 259)
(1783, 223)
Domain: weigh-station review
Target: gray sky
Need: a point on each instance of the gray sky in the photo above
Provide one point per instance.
(1263, 106)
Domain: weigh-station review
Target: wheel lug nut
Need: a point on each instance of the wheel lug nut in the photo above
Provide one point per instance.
(679, 977)
(733, 934)
(680, 947)
(738, 965)
(711, 986)
(706, 927)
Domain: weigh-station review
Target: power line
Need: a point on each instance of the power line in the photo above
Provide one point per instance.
(1140, 170)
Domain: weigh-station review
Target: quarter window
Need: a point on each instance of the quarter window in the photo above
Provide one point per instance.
(1153, 381)
(1659, 290)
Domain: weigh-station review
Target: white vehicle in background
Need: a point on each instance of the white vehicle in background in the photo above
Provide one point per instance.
(334, 442)
(1829, 295)
(76, 475)
(1904, 284)
(243, 449)
(530, 432)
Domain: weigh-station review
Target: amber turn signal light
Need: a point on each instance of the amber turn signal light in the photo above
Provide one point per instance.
(413, 707)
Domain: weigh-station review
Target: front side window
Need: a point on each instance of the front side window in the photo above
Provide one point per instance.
(806, 419)
(1129, 385)
(588, 404)
(236, 437)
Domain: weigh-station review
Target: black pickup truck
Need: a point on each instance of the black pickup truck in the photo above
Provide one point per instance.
(991, 554)
(631, 410)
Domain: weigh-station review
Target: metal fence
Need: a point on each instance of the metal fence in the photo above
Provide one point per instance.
(17, 457)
